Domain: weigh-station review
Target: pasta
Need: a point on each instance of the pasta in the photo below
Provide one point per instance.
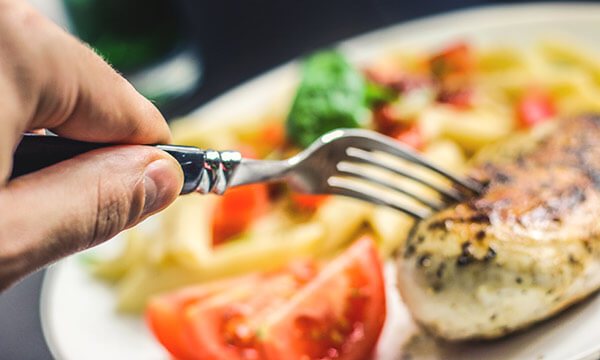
(179, 250)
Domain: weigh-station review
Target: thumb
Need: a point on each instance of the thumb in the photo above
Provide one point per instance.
(80, 203)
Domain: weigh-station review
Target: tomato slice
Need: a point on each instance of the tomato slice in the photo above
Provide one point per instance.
(308, 202)
(535, 107)
(164, 314)
(225, 327)
(305, 311)
(338, 315)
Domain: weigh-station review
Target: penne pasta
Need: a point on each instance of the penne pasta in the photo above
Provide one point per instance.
(449, 118)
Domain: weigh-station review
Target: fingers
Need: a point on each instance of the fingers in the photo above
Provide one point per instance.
(104, 107)
(48, 79)
(63, 85)
(79, 203)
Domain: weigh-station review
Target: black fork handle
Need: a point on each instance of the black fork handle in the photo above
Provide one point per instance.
(36, 152)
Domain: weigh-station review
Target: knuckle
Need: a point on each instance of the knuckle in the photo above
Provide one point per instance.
(117, 207)
(19, 21)
(110, 207)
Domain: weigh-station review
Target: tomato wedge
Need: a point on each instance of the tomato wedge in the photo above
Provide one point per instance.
(535, 107)
(338, 315)
(304, 311)
(225, 327)
(164, 314)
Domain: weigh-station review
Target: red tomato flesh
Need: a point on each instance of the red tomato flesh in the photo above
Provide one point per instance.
(535, 107)
(222, 327)
(239, 206)
(305, 311)
(457, 59)
(273, 135)
(164, 315)
(308, 202)
(237, 209)
(338, 315)
(410, 135)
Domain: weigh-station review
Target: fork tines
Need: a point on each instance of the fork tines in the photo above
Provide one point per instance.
(380, 170)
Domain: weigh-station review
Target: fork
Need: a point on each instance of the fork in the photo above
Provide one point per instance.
(345, 162)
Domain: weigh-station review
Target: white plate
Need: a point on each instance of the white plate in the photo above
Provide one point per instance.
(78, 314)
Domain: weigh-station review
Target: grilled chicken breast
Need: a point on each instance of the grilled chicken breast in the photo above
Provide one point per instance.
(525, 249)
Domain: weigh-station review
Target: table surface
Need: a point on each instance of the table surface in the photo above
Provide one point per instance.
(239, 40)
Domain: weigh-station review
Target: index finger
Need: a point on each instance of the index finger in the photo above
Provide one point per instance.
(76, 93)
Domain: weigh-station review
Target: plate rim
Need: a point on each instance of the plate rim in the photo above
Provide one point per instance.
(282, 73)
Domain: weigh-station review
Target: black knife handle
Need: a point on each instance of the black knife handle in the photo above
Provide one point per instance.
(36, 152)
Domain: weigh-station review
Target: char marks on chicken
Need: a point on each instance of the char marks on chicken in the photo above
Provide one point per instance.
(526, 248)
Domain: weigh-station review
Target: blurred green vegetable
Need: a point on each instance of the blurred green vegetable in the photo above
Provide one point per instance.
(376, 94)
(129, 34)
(332, 94)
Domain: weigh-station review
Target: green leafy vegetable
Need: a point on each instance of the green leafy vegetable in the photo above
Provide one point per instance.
(376, 94)
(331, 95)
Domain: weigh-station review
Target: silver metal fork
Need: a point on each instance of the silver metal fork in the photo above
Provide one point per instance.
(345, 162)
(333, 163)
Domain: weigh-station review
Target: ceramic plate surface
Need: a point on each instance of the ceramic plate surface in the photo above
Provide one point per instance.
(78, 315)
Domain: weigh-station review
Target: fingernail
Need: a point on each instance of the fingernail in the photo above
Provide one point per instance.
(160, 178)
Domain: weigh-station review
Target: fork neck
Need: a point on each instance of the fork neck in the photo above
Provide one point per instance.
(252, 171)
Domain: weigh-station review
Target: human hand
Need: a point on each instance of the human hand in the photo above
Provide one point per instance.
(48, 79)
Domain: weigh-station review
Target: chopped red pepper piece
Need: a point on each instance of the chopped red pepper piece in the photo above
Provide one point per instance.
(411, 136)
(457, 59)
(535, 107)
(308, 202)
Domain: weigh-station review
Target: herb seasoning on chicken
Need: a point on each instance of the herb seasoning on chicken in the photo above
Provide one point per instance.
(525, 249)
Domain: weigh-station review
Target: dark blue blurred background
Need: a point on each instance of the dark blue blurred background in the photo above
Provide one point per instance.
(237, 40)
(241, 39)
